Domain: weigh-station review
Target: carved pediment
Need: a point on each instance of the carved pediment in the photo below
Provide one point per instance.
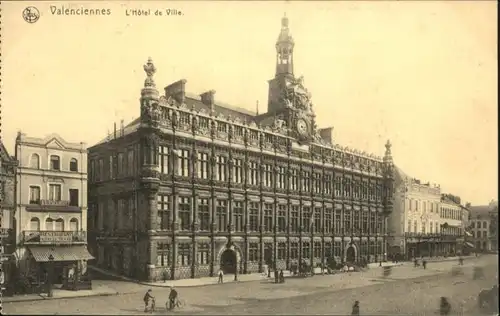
(54, 143)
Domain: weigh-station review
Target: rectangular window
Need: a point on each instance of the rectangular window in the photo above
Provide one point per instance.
(183, 166)
(163, 254)
(73, 197)
(338, 221)
(281, 218)
(54, 192)
(294, 180)
(328, 220)
(163, 207)
(328, 250)
(268, 175)
(220, 168)
(55, 163)
(281, 251)
(185, 213)
(338, 185)
(163, 158)
(253, 217)
(317, 183)
(355, 187)
(204, 215)
(306, 250)
(373, 223)
(306, 175)
(306, 219)
(356, 224)
(131, 162)
(317, 250)
(415, 229)
(281, 178)
(268, 217)
(317, 220)
(238, 171)
(112, 169)
(221, 215)
(253, 173)
(327, 184)
(294, 219)
(364, 225)
(184, 255)
(221, 127)
(100, 173)
(203, 254)
(431, 227)
(409, 226)
(120, 164)
(380, 219)
(202, 165)
(238, 216)
(294, 250)
(34, 195)
(253, 252)
(347, 222)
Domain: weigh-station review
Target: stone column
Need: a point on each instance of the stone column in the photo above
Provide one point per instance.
(152, 260)
(152, 210)
(261, 229)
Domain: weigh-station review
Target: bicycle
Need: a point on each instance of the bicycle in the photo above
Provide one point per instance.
(152, 307)
(177, 304)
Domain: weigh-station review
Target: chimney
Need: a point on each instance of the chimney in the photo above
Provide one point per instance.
(208, 98)
(326, 134)
(122, 131)
(177, 91)
(115, 132)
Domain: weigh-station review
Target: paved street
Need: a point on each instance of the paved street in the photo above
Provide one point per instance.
(316, 295)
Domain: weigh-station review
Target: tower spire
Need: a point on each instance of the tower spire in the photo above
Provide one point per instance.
(284, 49)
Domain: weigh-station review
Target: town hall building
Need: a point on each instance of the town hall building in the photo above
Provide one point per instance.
(193, 186)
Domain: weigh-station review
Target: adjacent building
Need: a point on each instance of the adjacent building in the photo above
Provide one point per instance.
(414, 225)
(51, 208)
(454, 220)
(194, 185)
(484, 226)
(7, 208)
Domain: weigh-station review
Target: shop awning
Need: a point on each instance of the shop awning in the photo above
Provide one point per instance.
(469, 244)
(60, 253)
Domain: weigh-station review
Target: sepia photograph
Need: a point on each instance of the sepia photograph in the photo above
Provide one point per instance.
(249, 157)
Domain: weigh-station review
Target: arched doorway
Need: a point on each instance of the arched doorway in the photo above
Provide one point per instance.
(351, 254)
(228, 261)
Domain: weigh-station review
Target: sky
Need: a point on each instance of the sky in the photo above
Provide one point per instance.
(422, 74)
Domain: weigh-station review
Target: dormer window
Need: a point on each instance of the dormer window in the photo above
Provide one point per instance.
(55, 163)
(73, 165)
(222, 127)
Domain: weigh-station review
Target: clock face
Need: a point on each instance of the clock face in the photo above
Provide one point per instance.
(302, 127)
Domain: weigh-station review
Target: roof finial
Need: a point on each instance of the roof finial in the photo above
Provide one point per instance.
(150, 70)
(257, 107)
(388, 155)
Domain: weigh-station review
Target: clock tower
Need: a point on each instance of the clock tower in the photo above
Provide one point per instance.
(284, 69)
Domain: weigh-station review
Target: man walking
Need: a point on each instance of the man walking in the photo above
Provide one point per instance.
(221, 277)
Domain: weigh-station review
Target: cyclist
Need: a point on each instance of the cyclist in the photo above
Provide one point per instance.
(148, 297)
(172, 298)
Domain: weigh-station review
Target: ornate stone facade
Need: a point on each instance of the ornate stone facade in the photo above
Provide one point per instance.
(200, 185)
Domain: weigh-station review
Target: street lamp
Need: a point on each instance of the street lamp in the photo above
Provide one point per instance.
(51, 268)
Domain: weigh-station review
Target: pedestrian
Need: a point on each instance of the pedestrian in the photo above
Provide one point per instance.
(415, 263)
(444, 306)
(172, 297)
(424, 264)
(282, 277)
(221, 276)
(355, 309)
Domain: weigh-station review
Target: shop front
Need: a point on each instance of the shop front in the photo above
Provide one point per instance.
(61, 267)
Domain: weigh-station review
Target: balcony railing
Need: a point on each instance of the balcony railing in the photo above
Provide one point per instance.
(54, 237)
(52, 205)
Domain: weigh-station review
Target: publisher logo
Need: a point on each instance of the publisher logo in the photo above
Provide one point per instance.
(31, 14)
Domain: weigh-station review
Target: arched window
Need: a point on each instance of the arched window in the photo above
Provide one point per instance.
(59, 225)
(35, 161)
(55, 163)
(73, 225)
(35, 224)
(49, 224)
(73, 165)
